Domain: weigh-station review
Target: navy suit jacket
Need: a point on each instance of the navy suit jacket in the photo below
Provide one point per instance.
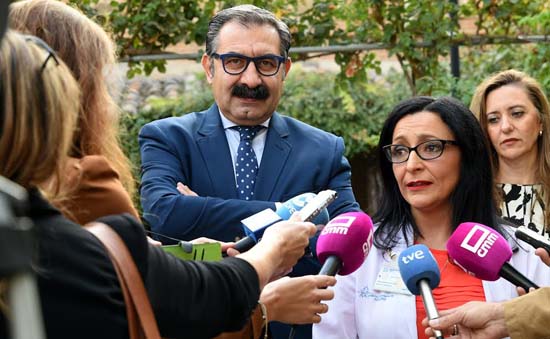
(193, 149)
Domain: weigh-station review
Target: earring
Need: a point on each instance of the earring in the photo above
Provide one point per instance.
(540, 133)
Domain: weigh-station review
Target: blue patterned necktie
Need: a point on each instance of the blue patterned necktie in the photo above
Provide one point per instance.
(246, 165)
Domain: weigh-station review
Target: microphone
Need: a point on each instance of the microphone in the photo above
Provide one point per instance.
(344, 243)
(421, 275)
(255, 225)
(289, 207)
(312, 207)
(484, 253)
(533, 238)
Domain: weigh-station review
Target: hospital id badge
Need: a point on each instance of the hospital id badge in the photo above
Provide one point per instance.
(389, 279)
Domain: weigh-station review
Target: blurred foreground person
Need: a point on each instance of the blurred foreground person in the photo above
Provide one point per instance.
(97, 178)
(79, 290)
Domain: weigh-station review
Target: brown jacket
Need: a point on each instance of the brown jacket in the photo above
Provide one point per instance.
(527, 317)
(95, 191)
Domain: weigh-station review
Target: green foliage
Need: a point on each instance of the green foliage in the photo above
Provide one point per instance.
(531, 59)
(418, 33)
(500, 17)
(149, 27)
(354, 111)
(402, 26)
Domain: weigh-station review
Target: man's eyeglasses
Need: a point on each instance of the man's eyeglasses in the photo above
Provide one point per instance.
(426, 150)
(235, 64)
(40, 43)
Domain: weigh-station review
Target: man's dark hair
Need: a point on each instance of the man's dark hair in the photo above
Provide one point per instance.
(246, 15)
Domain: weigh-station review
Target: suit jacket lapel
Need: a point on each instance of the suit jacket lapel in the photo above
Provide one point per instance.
(212, 143)
(276, 151)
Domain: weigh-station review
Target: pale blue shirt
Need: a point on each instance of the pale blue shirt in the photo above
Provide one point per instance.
(233, 139)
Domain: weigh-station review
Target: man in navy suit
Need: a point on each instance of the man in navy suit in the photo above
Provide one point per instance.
(191, 164)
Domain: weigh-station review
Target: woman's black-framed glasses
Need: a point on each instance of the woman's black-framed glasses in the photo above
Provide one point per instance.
(235, 63)
(40, 43)
(427, 150)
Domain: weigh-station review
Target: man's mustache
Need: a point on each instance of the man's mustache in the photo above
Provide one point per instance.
(243, 91)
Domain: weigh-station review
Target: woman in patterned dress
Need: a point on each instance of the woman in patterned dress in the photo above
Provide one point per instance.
(514, 114)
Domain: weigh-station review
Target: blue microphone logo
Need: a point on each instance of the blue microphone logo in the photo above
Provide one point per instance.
(417, 263)
(406, 258)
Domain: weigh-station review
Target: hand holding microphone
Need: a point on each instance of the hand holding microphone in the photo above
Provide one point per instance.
(298, 300)
(484, 253)
(342, 247)
(281, 247)
(421, 275)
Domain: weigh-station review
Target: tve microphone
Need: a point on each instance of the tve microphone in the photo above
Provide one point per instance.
(420, 273)
(344, 243)
(483, 252)
(308, 206)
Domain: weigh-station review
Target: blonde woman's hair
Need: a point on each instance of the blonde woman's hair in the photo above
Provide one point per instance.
(88, 51)
(38, 110)
(538, 98)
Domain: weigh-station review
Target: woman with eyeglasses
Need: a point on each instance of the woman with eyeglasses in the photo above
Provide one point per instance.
(98, 180)
(436, 174)
(515, 117)
(79, 291)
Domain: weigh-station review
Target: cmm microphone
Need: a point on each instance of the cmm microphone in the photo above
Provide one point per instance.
(483, 252)
(311, 207)
(344, 243)
(421, 275)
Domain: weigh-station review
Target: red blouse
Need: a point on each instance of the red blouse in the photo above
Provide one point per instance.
(455, 288)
